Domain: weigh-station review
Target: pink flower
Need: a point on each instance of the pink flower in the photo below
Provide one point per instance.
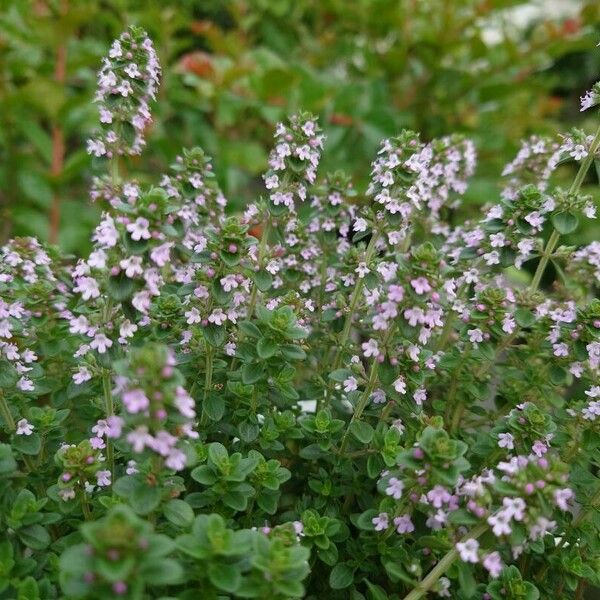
(493, 564)
(539, 448)
(370, 348)
(97, 443)
(475, 336)
(132, 266)
(218, 317)
(25, 384)
(514, 508)
(562, 497)
(175, 460)
(420, 285)
(506, 440)
(103, 478)
(404, 524)
(114, 426)
(101, 343)
(87, 287)
(394, 488)
(438, 496)
(350, 384)
(100, 428)
(135, 401)
(139, 229)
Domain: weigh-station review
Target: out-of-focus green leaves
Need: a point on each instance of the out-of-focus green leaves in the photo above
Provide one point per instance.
(232, 69)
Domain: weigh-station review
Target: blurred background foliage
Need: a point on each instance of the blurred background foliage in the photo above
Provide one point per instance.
(233, 68)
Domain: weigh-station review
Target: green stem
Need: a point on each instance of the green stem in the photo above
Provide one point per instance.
(424, 586)
(354, 300)
(360, 407)
(109, 409)
(207, 384)
(6, 414)
(261, 257)
(262, 248)
(85, 507)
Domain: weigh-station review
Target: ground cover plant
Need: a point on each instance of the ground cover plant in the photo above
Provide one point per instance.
(328, 395)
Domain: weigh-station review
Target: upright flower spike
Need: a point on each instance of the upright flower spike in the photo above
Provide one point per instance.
(294, 160)
(398, 178)
(127, 82)
(534, 163)
(157, 414)
(29, 293)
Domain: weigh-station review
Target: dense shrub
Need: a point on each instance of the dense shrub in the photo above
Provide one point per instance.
(329, 395)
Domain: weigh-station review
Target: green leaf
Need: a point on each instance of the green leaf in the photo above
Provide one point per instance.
(263, 280)
(8, 464)
(144, 498)
(225, 577)
(165, 571)
(250, 329)
(34, 536)
(214, 406)
(251, 373)
(362, 431)
(341, 576)
(466, 580)
(340, 375)
(8, 376)
(565, 222)
(214, 335)
(266, 348)
(524, 317)
(218, 454)
(121, 287)
(27, 444)
(204, 475)
(235, 500)
(292, 352)
(179, 513)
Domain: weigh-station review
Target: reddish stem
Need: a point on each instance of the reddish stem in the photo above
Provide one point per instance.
(58, 138)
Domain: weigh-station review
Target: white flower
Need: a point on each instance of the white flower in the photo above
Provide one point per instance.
(400, 385)
(24, 427)
(468, 550)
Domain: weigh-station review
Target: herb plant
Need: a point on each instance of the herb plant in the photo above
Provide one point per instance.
(328, 395)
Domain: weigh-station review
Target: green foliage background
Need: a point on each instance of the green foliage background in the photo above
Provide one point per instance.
(233, 68)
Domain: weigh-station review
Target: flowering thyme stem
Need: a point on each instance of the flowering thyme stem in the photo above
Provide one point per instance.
(360, 407)
(109, 407)
(207, 383)
(110, 411)
(353, 304)
(85, 507)
(574, 189)
(262, 247)
(373, 373)
(424, 586)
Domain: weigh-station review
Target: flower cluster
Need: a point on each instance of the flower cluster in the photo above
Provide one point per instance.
(158, 414)
(127, 82)
(294, 160)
